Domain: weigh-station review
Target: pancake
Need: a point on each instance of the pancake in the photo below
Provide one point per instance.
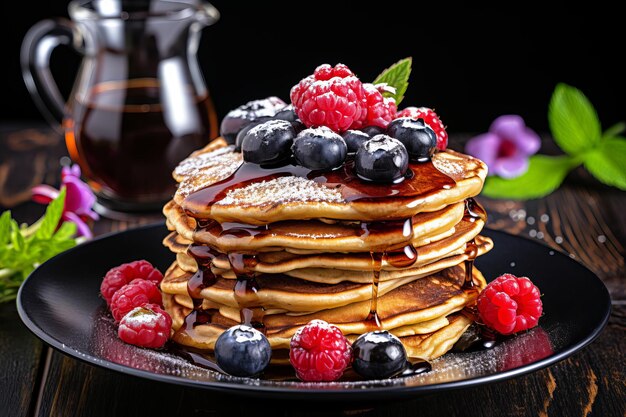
(416, 308)
(282, 291)
(216, 184)
(427, 346)
(285, 262)
(277, 247)
(316, 235)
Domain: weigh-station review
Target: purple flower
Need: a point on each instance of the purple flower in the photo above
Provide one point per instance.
(79, 199)
(506, 147)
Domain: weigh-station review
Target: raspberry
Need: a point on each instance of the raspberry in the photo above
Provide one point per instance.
(380, 110)
(431, 119)
(333, 97)
(134, 294)
(319, 352)
(510, 304)
(146, 326)
(121, 275)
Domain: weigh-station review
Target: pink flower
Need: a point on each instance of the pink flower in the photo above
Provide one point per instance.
(506, 147)
(79, 199)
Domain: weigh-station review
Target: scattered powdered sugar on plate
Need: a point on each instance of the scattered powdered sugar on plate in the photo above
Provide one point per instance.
(520, 350)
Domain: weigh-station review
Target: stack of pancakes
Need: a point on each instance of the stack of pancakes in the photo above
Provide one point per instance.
(277, 248)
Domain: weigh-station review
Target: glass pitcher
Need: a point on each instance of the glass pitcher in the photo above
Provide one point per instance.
(139, 104)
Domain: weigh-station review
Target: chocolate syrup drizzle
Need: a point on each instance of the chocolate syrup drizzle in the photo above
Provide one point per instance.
(246, 287)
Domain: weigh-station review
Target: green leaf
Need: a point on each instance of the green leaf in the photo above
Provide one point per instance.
(16, 237)
(5, 226)
(544, 175)
(615, 130)
(52, 217)
(65, 232)
(26, 248)
(573, 120)
(608, 162)
(396, 76)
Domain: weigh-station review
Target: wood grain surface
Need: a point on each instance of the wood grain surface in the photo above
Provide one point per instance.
(582, 219)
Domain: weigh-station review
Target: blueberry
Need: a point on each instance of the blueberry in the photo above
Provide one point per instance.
(378, 354)
(381, 159)
(418, 138)
(372, 131)
(319, 149)
(354, 139)
(268, 143)
(236, 119)
(287, 113)
(244, 130)
(298, 125)
(243, 351)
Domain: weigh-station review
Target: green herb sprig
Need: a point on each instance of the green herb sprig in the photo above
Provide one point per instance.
(24, 248)
(396, 77)
(576, 129)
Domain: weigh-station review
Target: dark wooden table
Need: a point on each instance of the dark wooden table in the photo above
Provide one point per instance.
(582, 218)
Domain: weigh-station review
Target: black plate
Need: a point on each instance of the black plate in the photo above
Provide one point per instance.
(59, 302)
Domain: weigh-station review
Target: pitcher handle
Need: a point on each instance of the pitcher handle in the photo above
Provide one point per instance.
(35, 54)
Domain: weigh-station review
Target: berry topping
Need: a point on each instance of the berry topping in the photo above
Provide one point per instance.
(419, 139)
(372, 131)
(319, 352)
(378, 354)
(243, 351)
(244, 130)
(331, 97)
(246, 113)
(121, 275)
(381, 159)
(146, 326)
(268, 143)
(354, 139)
(288, 113)
(134, 294)
(432, 120)
(510, 304)
(380, 110)
(319, 149)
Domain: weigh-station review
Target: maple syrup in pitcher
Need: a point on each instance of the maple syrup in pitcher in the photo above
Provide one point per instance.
(139, 104)
(128, 142)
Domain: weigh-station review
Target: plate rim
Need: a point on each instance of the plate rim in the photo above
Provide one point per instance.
(328, 393)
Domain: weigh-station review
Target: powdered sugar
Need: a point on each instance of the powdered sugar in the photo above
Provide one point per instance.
(140, 315)
(270, 127)
(382, 142)
(281, 190)
(451, 165)
(258, 108)
(205, 169)
(190, 166)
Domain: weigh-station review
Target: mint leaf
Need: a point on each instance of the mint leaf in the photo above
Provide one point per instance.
(23, 249)
(52, 217)
(396, 76)
(606, 162)
(573, 120)
(544, 175)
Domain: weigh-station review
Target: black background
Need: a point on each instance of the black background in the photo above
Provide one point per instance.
(470, 64)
